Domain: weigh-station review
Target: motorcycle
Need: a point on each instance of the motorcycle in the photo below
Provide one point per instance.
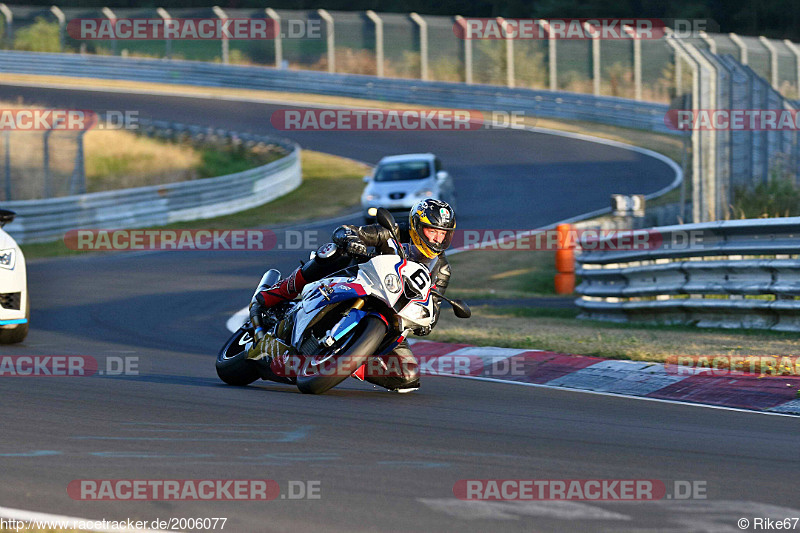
(339, 324)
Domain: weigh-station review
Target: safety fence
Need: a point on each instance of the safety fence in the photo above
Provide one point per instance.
(729, 161)
(423, 47)
(732, 274)
(51, 218)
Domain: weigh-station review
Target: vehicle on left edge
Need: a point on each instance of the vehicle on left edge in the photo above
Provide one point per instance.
(15, 309)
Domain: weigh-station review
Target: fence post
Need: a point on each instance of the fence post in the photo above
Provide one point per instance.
(46, 163)
(223, 17)
(9, 16)
(113, 18)
(507, 37)
(467, 49)
(167, 41)
(796, 51)
(552, 57)
(710, 189)
(423, 44)
(378, 40)
(78, 181)
(712, 44)
(276, 25)
(7, 143)
(637, 61)
(742, 47)
(330, 39)
(697, 182)
(62, 21)
(773, 60)
(595, 57)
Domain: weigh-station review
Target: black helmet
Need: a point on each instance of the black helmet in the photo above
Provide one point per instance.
(434, 214)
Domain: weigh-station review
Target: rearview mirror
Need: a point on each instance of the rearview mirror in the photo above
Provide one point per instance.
(366, 179)
(386, 219)
(6, 216)
(461, 309)
(442, 175)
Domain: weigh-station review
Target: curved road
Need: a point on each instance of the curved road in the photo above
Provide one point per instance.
(384, 462)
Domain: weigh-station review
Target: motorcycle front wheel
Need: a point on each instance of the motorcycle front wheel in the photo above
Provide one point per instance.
(233, 366)
(316, 379)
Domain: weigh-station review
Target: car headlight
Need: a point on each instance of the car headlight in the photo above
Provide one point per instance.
(427, 193)
(8, 258)
(371, 197)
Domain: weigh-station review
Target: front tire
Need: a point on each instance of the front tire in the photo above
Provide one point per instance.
(363, 343)
(233, 366)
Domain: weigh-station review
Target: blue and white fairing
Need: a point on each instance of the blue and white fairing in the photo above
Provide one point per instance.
(403, 285)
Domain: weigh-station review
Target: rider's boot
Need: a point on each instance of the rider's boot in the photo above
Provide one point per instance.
(286, 289)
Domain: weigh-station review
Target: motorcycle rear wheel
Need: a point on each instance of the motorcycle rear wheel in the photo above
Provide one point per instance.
(362, 343)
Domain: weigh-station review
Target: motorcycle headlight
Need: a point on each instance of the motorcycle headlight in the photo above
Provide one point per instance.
(8, 258)
(392, 282)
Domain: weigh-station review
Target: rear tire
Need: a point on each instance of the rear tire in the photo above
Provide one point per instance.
(233, 366)
(363, 343)
(19, 332)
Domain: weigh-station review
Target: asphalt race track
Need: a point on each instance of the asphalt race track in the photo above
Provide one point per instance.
(384, 462)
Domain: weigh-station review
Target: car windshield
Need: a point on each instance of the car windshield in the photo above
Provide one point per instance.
(407, 170)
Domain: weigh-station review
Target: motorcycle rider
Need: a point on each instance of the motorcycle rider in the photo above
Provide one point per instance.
(431, 224)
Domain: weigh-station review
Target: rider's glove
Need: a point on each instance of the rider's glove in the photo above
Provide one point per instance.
(349, 241)
(355, 247)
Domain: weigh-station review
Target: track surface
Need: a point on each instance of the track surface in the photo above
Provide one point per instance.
(385, 462)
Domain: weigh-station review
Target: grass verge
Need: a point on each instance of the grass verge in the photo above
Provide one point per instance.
(556, 330)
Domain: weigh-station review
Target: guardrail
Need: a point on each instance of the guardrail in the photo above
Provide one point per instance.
(157, 205)
(553, 104)
(732, 274)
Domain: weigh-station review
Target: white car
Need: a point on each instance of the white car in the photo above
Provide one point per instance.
(14, 300)
(400, 181)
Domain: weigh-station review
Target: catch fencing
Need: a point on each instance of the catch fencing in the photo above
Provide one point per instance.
(426, 47)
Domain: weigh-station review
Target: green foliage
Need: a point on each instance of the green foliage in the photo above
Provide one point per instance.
(779, 197)
(41, 36)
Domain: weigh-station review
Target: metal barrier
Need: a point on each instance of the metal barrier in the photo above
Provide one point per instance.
(157, 205)
(561, 105)
(732, 274)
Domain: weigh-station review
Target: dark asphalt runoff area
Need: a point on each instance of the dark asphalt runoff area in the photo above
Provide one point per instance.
(377, 461)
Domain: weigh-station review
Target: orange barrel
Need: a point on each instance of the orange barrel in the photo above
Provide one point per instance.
(565, 283)
(565, 260)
